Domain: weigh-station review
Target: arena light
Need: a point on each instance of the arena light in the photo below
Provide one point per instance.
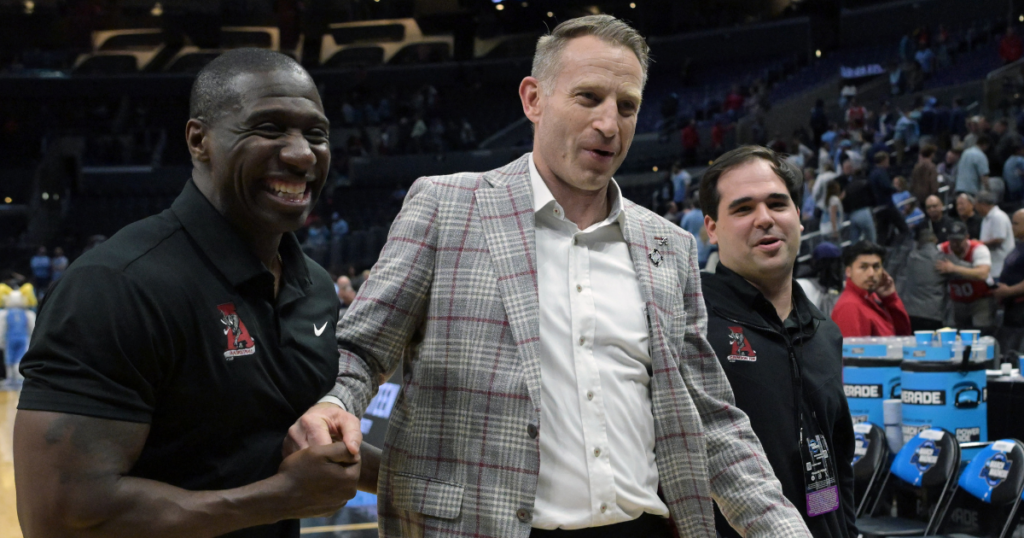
(56, 196)
(655, 169)
(1021, 18)
(632, 5)
(526, 4)
(46, 196)
(499, 7)
(29, 6)
(550, 14)
(817, 54)
(8, 200)
(157, 10)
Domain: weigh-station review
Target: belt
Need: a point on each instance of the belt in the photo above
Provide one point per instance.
(645, 526)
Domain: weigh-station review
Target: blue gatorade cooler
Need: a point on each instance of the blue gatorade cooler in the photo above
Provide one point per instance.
(867, 382)
(944, 394)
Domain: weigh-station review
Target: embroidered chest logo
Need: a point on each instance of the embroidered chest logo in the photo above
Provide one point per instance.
(741, 350)
(239, 342)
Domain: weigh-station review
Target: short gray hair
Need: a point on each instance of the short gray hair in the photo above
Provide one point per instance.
(604, 27)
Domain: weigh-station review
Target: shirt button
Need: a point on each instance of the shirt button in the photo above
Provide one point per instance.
(558, 211)
(532, 431)
(579, 288)
(524, 515)
(590, 395)
(582, 340)
(597, 452)
(604, 508)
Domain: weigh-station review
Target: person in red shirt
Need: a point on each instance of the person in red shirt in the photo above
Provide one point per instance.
(869, 306)
(691, 142)
(1010, 47)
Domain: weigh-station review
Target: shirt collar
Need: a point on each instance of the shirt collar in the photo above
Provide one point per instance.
(224, 247)
(859, 292)
(750, 295)
(542, 196)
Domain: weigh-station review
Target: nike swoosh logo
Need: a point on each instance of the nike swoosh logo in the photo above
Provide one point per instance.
(320, 330)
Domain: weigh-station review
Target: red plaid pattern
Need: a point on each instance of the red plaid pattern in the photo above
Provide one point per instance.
(454, 297)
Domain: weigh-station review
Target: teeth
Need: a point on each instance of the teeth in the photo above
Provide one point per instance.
(287, 187)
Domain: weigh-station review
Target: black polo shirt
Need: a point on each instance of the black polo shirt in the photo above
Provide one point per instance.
(173, 323)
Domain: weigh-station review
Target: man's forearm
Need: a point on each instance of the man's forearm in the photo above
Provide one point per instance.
(975, 273)
(995, 243)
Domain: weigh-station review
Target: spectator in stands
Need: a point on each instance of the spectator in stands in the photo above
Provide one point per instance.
(1013, 172)
(936, 221)
(889, 219)
(339, 226)
(966, 213)
(680, 182)
(826, 175)
(734, 102)
(869, 306)
(958, 118)
(672, 213)
(42, 271)
(972, 170)
(902, 200)
(996, 231)
(690, 140)
(58, 264)
(924, 290)
(346, 294)
(1003, 141)
(897, 79)
(1010, 46)
(925, 58)
(718, 130)
(924, 179)
(808, 209)
(825, 282)
(1010, 291)
(949, 167)
(832, 218)
(906, 135)
(467, 136)
(693, 222)
(858, 201)
(967, 264)
(855, 115)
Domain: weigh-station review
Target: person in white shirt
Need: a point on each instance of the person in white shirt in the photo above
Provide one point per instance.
(996, 230)
(551, 334)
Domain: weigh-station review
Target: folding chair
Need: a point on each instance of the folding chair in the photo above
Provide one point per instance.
(987, 500)
(925, 470)
(870, 457)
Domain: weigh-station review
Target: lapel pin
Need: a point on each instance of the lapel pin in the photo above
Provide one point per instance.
(662, 241)
(655, 257)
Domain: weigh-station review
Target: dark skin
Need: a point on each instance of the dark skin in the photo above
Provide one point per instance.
(71, 471)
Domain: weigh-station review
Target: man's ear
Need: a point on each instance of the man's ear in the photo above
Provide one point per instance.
(530, 94)
(197, 138)
(848, 271)
(711, 226)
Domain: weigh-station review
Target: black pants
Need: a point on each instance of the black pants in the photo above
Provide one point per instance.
(645, 526)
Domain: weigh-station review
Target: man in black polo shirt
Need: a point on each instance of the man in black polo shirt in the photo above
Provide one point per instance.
(169, 362)
(782, 356)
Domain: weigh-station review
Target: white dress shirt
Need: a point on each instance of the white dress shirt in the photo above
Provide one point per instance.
(597, 463)
(997, 224)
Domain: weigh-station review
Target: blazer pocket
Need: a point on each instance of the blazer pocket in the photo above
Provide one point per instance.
(427, 496)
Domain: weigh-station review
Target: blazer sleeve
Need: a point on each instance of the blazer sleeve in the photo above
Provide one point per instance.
(391, 305)
(742, 481)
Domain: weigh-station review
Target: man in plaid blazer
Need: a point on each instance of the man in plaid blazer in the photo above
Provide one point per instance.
(478, 292)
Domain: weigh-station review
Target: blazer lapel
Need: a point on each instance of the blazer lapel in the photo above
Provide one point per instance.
(506, 211)
(655, 279)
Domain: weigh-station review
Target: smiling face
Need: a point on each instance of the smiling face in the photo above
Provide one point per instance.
(266, 159)
(758, 227)
(585, 116)
(934, 208)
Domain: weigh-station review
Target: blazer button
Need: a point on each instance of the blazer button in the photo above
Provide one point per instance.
(524, 515)
(532, 431)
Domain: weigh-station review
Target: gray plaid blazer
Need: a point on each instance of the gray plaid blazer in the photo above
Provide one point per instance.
(454, 297)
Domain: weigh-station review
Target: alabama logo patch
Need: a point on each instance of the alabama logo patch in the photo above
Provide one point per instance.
(741, 350)
(239, 342)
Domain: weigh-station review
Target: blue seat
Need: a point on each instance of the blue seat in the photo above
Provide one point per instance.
(987, 500)
(925, 471)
